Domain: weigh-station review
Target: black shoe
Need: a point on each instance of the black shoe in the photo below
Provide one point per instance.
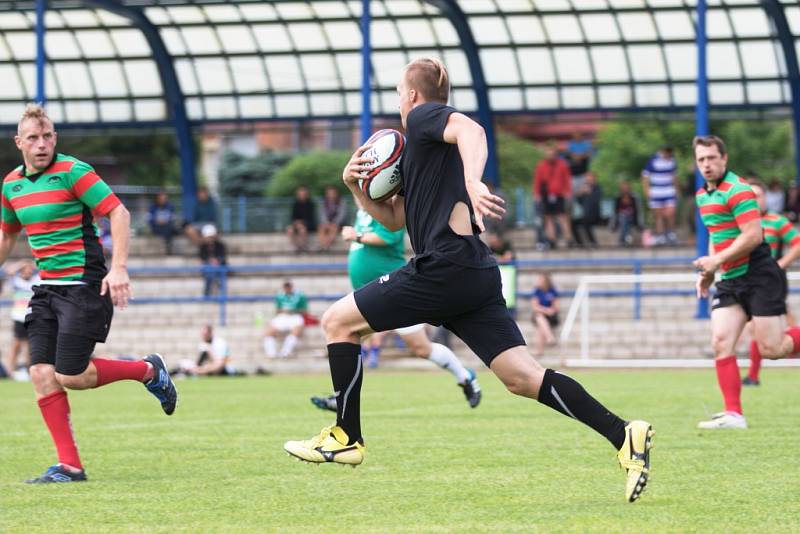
(57, 473)
(325, 403)
(747, 381)
(161, 386)
(472, 390)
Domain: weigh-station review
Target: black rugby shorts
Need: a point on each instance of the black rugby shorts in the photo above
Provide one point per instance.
(761, 292)
(65, 323)
(467, 301)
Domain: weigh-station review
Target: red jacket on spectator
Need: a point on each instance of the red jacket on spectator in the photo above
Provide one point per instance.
(552, 177)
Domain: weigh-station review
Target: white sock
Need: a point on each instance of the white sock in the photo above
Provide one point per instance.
(444, 358)
(288, 346)
(270, 348)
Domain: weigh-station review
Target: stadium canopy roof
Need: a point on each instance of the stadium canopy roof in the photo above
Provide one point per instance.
(248, 60)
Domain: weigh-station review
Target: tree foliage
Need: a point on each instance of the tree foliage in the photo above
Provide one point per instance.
(623, 148)
(517, 157)
(249, 176)
(315, 170)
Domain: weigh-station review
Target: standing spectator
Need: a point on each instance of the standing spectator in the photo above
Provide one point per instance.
(626, 214)
(579, 154)
(687, 206)
(792, 208)
(660, 186)
(162, 219)
(500, 247)
(334, 212)
(213, 356)
(552, 187)
(292, 306)
(203, 213)
(24, 277)
(104, 234)
(588, 198)
(775, 198)
(545, 312)
(304, 219)
(213, 254)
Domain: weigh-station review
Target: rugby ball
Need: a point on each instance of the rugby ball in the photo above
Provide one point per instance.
(383, 179)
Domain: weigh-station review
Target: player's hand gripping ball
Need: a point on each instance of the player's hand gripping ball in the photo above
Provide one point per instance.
(384, 179)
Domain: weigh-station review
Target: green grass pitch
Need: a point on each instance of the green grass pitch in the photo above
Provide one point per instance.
(433, 465)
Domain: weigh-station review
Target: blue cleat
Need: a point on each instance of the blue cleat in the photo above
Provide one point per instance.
(325, 403)
(747, 381)
(57, 473)
(161, 386)
(472, 390)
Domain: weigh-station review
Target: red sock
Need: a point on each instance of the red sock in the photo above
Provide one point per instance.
(755, 361)
(730, 383)
(113, 370)
(55, 411)
(794, 333)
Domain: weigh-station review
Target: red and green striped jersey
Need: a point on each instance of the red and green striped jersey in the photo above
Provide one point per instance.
(724, 210)
(779, 234)
(56, 207)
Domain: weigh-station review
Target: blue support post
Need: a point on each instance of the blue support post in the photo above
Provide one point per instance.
(774, 10)
(366, 86)
(701, 128)
(458, 19)
(242, 215)
(41, 53)
(637, 292)
(223, 294)
(173, 95)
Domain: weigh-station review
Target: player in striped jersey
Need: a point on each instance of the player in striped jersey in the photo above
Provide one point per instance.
(752, 285)
(784, 244)
(54, 198)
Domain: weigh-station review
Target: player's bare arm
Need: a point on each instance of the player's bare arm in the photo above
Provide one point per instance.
(368, 238)
(787, 259)
(7, 241)
(471, 140)
(117, 281)
(390, 213)
(744, 243)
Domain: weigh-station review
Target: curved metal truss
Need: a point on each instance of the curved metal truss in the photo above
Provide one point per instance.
(283, 59)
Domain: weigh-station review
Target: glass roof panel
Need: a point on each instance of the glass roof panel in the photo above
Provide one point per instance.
(296, 57)
(646, 62)
(12, 84)
(61, 45)
(600, 27)
(95, 43)
(526, 30)
(236, 39)
(572, 65)
(536, 65)
(610, 63)
(249, 74)
(563, 28)
(108, 78)
(500, 66)
(489, 30)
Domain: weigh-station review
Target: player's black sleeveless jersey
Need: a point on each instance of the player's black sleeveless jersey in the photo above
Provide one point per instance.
(433, 182)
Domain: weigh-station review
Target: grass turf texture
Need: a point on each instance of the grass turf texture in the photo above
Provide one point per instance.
(433, 465)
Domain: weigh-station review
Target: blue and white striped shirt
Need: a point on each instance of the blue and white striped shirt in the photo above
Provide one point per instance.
(661, 173)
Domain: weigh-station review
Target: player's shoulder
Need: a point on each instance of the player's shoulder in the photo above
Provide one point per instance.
(773, 217)
(427, 111)
(72, 165)
(13, 176)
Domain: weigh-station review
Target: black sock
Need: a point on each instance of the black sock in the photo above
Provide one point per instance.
(346, 375)
(565, 395)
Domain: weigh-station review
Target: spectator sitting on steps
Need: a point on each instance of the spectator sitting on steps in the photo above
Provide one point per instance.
(212, 253)
(204, 212)
(292, 306)
(162, 219)
(213, 357)
(334, 213)
(304, 219)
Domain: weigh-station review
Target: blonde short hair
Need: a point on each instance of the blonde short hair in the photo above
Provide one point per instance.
(34, 112)
(429, 77)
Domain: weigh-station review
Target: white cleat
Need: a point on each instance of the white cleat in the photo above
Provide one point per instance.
(723, 420)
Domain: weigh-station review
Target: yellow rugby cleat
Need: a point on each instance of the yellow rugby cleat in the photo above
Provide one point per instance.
(634, 457)
(329, 446)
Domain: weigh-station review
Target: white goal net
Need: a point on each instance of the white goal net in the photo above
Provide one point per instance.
(644, 320)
